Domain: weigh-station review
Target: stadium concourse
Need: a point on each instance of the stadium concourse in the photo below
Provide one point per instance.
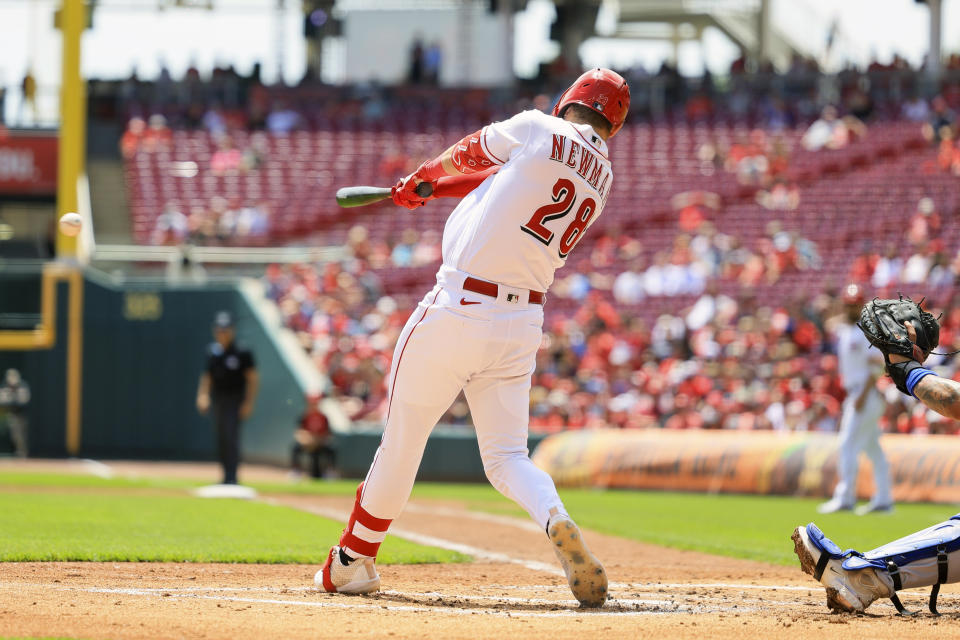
(705, 296)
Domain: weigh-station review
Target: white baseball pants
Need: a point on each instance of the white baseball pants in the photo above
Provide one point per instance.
(859, 431)
(460, 340)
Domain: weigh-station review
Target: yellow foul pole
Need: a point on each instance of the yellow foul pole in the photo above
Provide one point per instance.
(72, 154)
(73, 118)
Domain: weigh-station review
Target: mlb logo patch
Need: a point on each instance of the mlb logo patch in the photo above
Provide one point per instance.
(512, 297)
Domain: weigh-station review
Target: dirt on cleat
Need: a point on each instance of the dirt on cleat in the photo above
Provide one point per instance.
(585, 574)
(807, 562)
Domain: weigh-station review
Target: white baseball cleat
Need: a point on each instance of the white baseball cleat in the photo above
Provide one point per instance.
(585, 574)
(360, 576)
(874, 507)
(833, 505)
(849, 591)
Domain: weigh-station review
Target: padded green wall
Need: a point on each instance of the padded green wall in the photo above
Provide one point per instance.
(140, 371)
(141, 364)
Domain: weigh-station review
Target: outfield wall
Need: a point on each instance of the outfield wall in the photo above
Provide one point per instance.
(143, 353)
(924, 468)
(451, 455)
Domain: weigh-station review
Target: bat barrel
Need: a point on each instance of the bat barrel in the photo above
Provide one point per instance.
(359, 196)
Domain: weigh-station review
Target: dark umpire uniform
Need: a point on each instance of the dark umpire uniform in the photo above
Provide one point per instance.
(228, 386)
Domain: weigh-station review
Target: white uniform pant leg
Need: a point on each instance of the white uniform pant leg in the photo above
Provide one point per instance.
(499, 402)
(424, 383)
(848, 452)
(870, 428)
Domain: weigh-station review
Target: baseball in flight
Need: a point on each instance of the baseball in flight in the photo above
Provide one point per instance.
(70, 224)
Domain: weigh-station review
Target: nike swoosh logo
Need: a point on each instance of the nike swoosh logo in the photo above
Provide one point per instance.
(465, 302)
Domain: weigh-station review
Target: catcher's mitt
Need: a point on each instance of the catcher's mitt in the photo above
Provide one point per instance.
(882, 322)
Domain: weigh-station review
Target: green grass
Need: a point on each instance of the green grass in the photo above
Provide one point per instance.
(90, 527)
(753, 527)
(84, 481)
(741, 526)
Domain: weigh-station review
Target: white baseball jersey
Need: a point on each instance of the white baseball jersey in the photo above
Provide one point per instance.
(856, 360)
(520, 224)
(858, 427)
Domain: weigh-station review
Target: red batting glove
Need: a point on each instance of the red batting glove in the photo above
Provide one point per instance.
(404, 193)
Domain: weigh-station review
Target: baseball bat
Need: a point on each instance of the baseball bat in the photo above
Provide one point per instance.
(359, 196)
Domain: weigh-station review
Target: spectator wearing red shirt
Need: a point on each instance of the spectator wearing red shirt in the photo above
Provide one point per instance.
(226, 160)
(925, 223)
(313, 437)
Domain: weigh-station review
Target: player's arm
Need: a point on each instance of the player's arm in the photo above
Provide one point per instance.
(468, 162)
(862, 398)
(875, 362)
(203, 393)
(940, 394)
(253, 384)
(454, 173)
(469, 155)
(460, 185)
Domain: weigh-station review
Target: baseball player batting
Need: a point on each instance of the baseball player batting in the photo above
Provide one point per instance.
(905, 334)
(541, 181)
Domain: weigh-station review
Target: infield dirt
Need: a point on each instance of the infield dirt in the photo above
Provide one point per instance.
(513, 589)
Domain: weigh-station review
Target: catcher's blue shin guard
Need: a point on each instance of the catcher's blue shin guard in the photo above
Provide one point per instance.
(925, 558)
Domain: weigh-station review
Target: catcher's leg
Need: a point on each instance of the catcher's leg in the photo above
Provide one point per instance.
(850, 591)
(930, 557)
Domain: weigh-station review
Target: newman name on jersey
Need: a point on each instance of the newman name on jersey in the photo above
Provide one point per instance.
(509, 229)
(586, 165)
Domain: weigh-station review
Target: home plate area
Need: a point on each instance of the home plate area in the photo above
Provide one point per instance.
(530, 600)
(472, 600)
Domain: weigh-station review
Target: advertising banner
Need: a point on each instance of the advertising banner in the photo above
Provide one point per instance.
(28, 164)
(924, 468)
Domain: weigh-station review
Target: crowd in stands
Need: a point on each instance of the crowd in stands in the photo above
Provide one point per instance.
(941, 128)
(928, 261)
(723, 363)
(762, 96)
(717, 355)
(726, 361)
(688, 266)
(222, 222)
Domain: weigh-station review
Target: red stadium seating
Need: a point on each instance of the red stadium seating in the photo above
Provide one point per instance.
(861, 192)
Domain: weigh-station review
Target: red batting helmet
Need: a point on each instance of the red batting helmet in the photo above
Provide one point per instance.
(853, 294)
(602, 90)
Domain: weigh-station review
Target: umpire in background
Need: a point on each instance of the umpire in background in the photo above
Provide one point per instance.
(229, 386)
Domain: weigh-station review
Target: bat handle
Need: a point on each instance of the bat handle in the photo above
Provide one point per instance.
(424, 189)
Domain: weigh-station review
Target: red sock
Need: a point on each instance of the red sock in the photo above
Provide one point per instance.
(364, 532)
